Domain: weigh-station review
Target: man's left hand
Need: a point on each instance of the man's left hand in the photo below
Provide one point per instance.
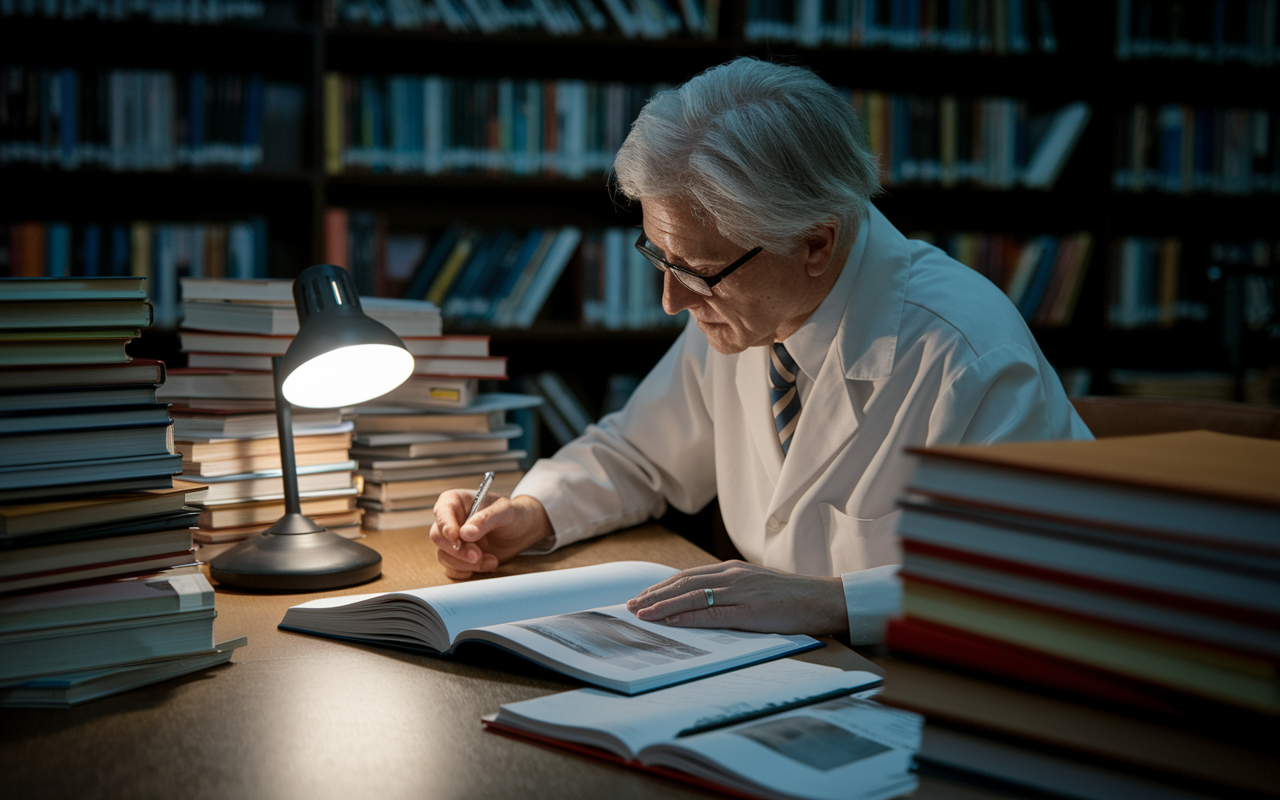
(747, 597)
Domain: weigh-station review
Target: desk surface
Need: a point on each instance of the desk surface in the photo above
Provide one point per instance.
(297, 716)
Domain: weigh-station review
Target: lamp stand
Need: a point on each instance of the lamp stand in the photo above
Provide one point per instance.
(295, 554)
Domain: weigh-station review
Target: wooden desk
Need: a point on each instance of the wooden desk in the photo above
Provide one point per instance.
(297, 716)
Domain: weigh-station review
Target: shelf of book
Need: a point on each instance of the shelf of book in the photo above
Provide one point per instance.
(1037, 57)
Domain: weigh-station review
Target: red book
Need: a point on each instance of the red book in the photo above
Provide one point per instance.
(963, 649)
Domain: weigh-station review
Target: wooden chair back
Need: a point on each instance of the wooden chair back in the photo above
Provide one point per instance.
(1132, 416)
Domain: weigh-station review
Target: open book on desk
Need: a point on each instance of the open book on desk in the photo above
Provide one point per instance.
(785, 729)
(573, 621)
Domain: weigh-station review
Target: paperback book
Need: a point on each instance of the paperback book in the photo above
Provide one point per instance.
(573, 621)
(783, 729)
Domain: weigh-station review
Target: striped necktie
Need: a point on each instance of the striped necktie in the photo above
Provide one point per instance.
(783, 394)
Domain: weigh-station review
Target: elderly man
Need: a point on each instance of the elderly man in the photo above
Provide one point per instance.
(822, 344)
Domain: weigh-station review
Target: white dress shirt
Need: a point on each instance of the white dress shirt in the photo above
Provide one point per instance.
(909, 348)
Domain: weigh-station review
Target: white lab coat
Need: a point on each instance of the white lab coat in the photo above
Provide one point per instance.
(919, 350)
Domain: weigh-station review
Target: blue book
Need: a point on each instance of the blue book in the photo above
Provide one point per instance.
(464, 299)
(415, 137)
(195, 115)
(1202, 174)
(251, 133)
(381, 136)
(425, 274)
(259, 247)
(1171, 147)
(1018, 41)
(68, 124)
(120, 255)
(504, 282)
(92, 250)
(1124, 36)
(58, 250)
(1040, 282)
(900, 130)
(518, 251)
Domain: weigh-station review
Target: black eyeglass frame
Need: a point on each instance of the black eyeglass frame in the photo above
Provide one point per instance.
(690, 279)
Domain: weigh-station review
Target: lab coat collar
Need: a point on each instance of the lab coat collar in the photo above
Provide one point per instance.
(867, 342)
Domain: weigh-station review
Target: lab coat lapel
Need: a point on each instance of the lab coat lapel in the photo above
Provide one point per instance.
(753, 393)
(828, 420)
(864, 349)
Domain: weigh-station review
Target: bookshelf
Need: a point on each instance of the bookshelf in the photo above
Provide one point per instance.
(298, 42)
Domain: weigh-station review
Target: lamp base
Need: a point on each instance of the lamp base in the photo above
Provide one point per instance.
(298, 555)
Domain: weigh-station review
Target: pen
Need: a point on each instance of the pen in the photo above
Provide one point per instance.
(775, 709)
(475, 504)
(480, 494)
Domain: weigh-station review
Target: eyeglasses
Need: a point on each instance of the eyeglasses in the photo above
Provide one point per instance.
(691, 280)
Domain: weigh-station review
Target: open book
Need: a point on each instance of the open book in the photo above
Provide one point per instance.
(574, 621)
(785, 729)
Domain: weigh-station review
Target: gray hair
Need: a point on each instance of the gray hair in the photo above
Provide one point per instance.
(768, 151)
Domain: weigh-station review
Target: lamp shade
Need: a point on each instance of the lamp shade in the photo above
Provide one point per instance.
(340, 357)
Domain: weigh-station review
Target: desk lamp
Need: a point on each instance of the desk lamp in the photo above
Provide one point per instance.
(340, 357)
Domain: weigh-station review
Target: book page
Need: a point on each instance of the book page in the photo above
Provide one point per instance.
(843, 749)
(635, 722)
(609, 646)
(490, 601)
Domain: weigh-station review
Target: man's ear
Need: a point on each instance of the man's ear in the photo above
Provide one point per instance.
(820, 246)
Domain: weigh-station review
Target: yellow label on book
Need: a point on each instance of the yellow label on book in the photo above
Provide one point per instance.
(451, 395)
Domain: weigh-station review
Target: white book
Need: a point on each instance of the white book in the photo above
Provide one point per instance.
(1047, 162)
(809, 22)
(505, 431)
(1025, 269)
(784, 729)
(623, 17)
(211, 342)
(615, 277)
(573, 621)
(404, 317)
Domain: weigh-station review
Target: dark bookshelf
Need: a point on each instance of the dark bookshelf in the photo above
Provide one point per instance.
(297, 42)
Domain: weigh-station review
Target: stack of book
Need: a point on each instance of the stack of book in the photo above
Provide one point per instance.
(99, 590)
(224, 409)
(434, 427)
(409, 455)
(233, 450)
(1128, 586)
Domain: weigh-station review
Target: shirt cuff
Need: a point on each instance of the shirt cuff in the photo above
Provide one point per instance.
(871, 597)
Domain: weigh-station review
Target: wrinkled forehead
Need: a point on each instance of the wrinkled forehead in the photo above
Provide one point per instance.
(673, 226)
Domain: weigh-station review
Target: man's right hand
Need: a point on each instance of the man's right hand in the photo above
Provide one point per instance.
(502, 529)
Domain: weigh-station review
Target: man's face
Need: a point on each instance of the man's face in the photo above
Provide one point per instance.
(763, 301)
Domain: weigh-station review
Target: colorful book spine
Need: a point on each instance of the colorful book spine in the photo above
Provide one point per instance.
(433, 124)
(148, 120)
(1184, 149)
(161, 252)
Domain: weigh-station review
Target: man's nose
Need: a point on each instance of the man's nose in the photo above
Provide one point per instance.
(676, 297)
